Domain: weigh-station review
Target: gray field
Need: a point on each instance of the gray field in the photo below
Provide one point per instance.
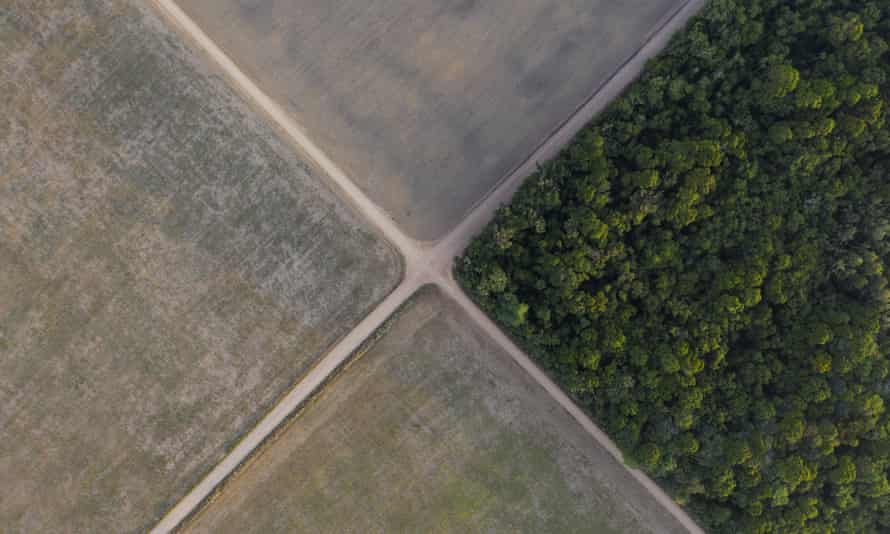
(435, 429)
(167, 267)
(426, 104)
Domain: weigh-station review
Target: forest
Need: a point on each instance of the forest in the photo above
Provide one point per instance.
(705, 267)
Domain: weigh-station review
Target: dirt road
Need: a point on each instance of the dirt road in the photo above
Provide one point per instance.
(424, 262)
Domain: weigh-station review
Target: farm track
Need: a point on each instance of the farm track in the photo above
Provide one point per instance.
(425, 263)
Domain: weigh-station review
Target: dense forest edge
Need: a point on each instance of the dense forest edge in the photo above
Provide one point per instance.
(704, 268)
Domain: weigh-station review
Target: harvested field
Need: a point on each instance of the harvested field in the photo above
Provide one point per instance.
(427, 104)
(435, 429)
(167, 267)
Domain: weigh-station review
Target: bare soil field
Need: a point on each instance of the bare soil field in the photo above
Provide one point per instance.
(168, 268)
(434, 429)
(427, 104)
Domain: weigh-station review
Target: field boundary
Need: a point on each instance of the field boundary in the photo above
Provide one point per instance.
(575, 409)
(230, 446)
(259, 100)
(317, 394)
(535, 153)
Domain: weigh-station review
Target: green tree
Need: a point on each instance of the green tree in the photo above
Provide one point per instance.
(705, 268)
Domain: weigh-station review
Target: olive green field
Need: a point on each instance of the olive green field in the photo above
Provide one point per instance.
(433, 429)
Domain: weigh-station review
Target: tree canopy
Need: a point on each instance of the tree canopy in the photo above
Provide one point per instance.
(705, 267)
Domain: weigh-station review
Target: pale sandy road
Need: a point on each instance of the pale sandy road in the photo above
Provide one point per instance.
(302, 391)
(424, 262)
(453, 244)
(453, 291)
(279, 117)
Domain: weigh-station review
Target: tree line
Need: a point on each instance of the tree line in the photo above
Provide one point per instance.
(705, 267)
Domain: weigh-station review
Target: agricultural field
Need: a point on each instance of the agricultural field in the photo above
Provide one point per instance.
(428, 104)
(168, 267)
(433, 429)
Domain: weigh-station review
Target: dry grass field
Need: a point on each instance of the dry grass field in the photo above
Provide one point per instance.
(434, 429)
(426, 104)
(167, 267)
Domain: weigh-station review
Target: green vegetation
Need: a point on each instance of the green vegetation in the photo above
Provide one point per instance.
(705, 267)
